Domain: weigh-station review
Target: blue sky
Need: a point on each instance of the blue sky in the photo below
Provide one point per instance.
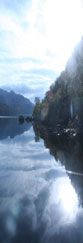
(36, 39)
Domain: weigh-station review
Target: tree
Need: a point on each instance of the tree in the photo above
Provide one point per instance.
(37, 100)
(37, 108)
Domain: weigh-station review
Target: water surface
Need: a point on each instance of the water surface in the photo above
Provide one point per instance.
(39, 200)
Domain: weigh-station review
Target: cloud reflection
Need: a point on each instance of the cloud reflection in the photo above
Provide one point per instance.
(62, 205)
(37, 200)
(68, 197)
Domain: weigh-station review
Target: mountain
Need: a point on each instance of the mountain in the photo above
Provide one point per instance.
(63, 103)
(14, 104)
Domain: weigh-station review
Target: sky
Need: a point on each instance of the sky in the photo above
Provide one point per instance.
(36, 39)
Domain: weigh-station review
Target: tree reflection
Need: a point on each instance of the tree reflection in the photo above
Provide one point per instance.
(68, 150)
(37, 132)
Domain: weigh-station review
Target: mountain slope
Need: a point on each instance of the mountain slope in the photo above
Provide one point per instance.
(63, 103)
(14, 104)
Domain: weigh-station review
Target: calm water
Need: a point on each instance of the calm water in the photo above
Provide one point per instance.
(39, 200)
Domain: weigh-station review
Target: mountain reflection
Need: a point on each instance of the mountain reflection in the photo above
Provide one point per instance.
(10, 127)
(69, 151)
(40, 202)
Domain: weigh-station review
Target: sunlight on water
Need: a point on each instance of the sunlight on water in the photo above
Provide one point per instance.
(63, 195)
(68, 197)
(38, 202)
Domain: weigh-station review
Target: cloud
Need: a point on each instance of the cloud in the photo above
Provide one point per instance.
(25, 75)
(33, 37)
(16, 7)
(27, 91)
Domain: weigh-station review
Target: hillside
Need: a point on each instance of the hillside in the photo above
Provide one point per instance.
(14, 104)
(63, 103)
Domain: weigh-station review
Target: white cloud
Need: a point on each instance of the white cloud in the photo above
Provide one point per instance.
(37, 36)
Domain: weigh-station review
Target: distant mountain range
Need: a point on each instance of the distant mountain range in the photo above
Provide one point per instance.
(14, 104)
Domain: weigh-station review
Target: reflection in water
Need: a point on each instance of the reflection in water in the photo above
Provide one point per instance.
(68, 197)
(68, 149)
(38, 202)
(63, 198)
(9, 127)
